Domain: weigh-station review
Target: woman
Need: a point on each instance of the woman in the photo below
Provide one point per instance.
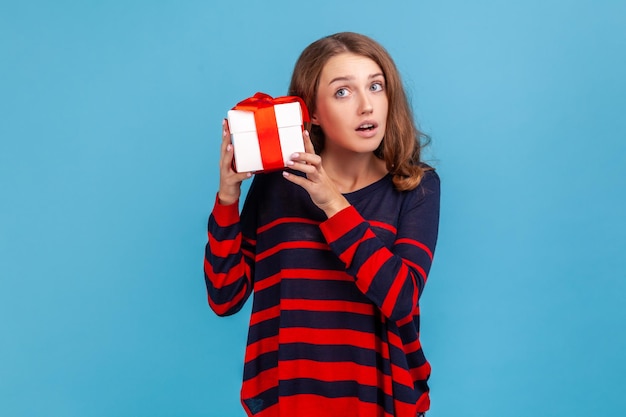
(337, 248)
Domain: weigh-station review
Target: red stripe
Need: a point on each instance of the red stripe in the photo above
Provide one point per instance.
(248, 254)
(263, 315)
(382, 225)
(391, 298)
(332, 337)
(297, 244)
(423, 403)
(302, 273)
(414, 242)
(267, 282)
(348, 255)
(421, 272)
(309, 405)
(330, 371)
(220, 280)
(224, 248)
(327, 305)
(317, 274)
(402, 409)
(261, 382)
(402, 376)
(413, 265)
(283, 220)
(394, 340)
(412, 347)
(368, 270)
(260, 347)
(408, 319)
(421, 373)
(223, 308)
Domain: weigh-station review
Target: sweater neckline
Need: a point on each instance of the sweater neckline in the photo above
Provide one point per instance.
(367, 190)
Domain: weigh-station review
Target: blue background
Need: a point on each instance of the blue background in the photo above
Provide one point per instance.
(109, 137)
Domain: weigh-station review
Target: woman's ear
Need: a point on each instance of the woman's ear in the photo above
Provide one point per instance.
(314, 120)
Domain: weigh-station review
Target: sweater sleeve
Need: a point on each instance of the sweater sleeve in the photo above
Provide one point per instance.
(229, 258)
(394, 278)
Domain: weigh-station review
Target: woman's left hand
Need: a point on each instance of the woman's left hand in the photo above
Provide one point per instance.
(320, 187)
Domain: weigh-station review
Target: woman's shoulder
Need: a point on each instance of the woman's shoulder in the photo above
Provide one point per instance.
(429, 184)
(429, 175)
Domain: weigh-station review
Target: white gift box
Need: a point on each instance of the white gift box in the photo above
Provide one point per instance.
(247, 146)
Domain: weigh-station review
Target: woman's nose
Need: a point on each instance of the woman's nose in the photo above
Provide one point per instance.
(365, 106)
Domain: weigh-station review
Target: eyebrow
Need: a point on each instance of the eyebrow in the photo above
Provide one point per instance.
(350, 78)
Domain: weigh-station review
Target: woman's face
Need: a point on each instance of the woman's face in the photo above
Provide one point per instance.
(351, 104)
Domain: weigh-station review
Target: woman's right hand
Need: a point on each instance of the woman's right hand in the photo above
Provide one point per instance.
(230, 180)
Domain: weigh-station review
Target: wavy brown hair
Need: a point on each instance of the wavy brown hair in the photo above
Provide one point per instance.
(403, 142)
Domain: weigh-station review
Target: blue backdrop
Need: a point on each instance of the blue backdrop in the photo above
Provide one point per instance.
(109, 137)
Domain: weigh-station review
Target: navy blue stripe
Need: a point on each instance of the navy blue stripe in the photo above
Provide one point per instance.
(328, 320)
(266, 298)
(227, 293)
(264, 329)
(262, 363)
(335, 353)
(298, 258)
(225, 233)
(262, 401)
(381, 284)
(344, 242)
(311, 289)
(405, 394)
(292, 231)
(222, 265)
(337, 389)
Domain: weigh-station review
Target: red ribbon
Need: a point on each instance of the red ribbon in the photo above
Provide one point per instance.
(262, 105)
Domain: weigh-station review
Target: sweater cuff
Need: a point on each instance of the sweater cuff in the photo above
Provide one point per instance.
(341, 223)
(225, 214)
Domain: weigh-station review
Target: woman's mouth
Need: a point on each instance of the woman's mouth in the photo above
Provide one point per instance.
(367, 129)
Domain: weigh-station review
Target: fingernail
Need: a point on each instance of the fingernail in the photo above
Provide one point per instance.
(290, 163)
(295, 155)
(229, 147)
(306, 132)
(285, 174)
(223, 122)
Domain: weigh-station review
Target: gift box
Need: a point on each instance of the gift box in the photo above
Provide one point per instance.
(265, 131)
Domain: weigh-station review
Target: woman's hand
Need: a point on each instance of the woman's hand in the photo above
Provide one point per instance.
(320, 187)
(230, 181)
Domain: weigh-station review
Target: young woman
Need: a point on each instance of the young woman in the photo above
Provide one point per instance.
(336, 248)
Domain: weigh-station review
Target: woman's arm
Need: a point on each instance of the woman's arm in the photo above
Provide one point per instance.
(391, 279)
(229, 253)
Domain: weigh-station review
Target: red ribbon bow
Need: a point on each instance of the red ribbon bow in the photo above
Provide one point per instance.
(262, 105)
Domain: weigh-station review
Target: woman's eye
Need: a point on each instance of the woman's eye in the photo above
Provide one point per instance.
(376, 87)
(342, 92)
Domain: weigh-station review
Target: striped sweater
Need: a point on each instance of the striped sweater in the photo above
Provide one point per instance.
(334, 329)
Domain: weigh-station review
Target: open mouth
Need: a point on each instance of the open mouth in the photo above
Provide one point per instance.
(366, 127)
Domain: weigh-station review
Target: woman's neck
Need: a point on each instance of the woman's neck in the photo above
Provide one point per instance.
(353, 171)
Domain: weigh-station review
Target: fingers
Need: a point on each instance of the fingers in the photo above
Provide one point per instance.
(296, 179)
(308, 144)
(227, 156)
(310, 170)
(225, 135)
(307, 162)
(306, 158)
